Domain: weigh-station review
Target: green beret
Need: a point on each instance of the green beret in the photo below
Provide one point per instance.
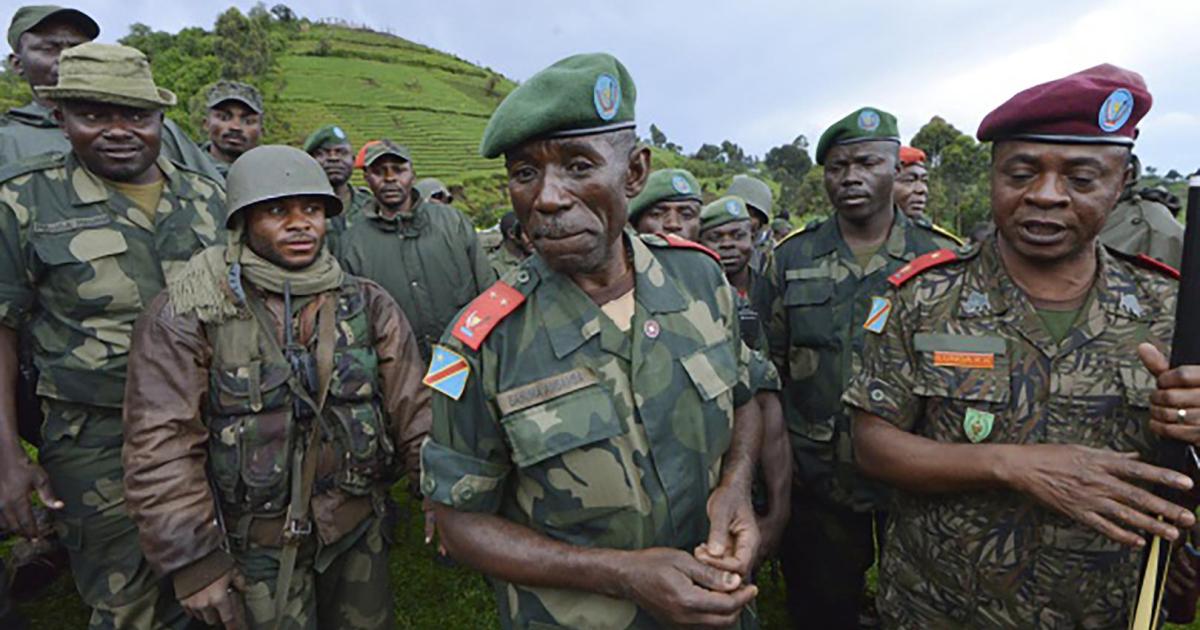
(374, 150)
(863, 125)
(580, 95)
(755, 192)
(327, 135)
(727, 209)
(243, 93)
(669, 184)
(28, 18)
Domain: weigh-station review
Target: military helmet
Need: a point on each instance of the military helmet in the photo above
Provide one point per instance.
(755, 192)
(273, 171)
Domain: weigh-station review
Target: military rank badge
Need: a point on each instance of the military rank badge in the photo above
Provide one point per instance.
(447, 373)
(881, 308)
(978, 424)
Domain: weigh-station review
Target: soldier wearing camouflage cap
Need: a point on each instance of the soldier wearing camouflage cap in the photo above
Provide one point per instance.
(425, 254)
(88, 238)
(669, 204)
(1006, 392)
(827, 281)
(594, 430)
(37, 35)
(330, 147)
(241, 452)
(233, 122)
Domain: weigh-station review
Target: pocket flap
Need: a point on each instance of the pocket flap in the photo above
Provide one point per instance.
(80, 246)
(562, 424)
(808, 292)
(714, 369)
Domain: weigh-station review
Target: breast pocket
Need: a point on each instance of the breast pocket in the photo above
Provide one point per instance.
(969, 394)
(714, 373)
(83, 269)
(807, 302)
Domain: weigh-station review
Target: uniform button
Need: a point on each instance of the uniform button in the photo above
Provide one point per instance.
(414, 283)
(428, 485)
(467, 494)
(522, 276)
(267, 505)
(1135, 220)
(877, 395)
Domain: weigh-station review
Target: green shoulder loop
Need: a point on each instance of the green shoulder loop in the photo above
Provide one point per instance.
(40, 162)
(811, 225)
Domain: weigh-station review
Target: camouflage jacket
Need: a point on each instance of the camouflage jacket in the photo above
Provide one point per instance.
(218, 165)
(82, 261)
(1141, 226)
(586, 434)
(820, 299)
(430, 262)
(998, 558)
(31, 130)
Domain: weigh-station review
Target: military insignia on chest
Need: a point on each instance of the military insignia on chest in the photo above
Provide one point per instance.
(976, 303)
(1130, 304)
(978, 424)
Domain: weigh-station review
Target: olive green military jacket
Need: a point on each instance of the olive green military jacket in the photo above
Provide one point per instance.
(336, 227)
(586, 434)
(1140, 226)
(430, 262)
(79, 262)
(964, 358)
(503, 260)
(32, 130)
(820, 299)
(218, 165)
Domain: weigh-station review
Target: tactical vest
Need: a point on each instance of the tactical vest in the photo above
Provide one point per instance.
(253, 436)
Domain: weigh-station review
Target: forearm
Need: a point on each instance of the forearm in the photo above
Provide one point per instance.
(10, 442)
(917, 464)
(406, 401)
(776, 453)
(514, 553)
(737, 469)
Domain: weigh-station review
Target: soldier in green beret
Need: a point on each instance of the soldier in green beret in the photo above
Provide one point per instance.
(594, 435)
(826, 282)
(331, 148)
(429, 188)
(87, 238)
(1139, 225)
(780, 228)
(38, 35)
(234, 122)
(427, 255)
(669, 204)
(759, 200)
(514, 245)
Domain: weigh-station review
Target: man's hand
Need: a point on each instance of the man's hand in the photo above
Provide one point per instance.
(681, 591)
(1178, 390)
(733, 536)
(1093, 486)
(19, 477)
(219, 603)
(431, 525)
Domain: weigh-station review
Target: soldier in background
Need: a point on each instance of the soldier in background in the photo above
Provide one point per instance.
(331, 148)
(234, 122)
(912, 184)
(1141, 225)
(514, 245)
(430, 189)
(669, 204)
(759, 200)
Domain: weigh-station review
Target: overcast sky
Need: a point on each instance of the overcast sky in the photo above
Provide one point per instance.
(761, 72)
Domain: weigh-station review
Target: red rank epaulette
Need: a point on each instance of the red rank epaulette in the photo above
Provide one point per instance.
(484, 312)
(679, 241)
(921, 263)
(1155, 264)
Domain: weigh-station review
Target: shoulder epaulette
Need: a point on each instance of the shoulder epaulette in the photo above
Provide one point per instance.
(39, 162)
(679, 241)
(800, 230)
(1146, 262)
(485, 312)
(946, 233)
(920, 264)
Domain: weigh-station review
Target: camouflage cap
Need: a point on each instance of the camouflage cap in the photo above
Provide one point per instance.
(579, 95)
(727, 209)
(243, 93)
(863, 125)
(376, 149)
(668, 184)
(755, 192)
(328, 135)
(428, 187)
(28, 18)
(107, 73)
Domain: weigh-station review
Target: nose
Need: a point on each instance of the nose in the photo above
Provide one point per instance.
(552, 196)
(1047, 192)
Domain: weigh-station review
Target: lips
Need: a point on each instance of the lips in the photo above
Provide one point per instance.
(119, 152)
(1042, 232)
(300, 246)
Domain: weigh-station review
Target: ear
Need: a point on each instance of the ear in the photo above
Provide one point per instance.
(638, 171)
(1131, 175)
(14, 64)
(204, 123)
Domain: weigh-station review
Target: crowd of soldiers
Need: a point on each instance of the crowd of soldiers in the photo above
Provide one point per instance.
(227, 355)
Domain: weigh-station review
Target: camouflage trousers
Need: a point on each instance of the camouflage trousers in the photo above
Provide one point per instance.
(81, 451)
(344, 586)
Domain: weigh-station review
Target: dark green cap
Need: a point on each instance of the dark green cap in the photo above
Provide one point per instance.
(327, 135)
(580, 95)
(863, 125)
(244, 93)
(29, 17)
(107, 73)
(669, 184)
(727, 209)
(376, 149)
(755, 192)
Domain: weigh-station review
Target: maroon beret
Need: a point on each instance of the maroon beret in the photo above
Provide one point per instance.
(1099, 105)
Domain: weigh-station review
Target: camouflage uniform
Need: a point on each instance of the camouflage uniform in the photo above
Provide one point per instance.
(1142, 226)
(1000, 558)
(565, 420)
(77, 264)
(820, 299)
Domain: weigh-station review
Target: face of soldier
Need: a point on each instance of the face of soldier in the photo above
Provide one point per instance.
(681, 218)
(1050, 201)
(734, 242)
(390, 179)
(780, 232)
(442, 196)
(37, 59)
(115, 142)
(289, 231)
(233, 128)
(571, 196)
(859, 178)
(911, 191)
(338, 162)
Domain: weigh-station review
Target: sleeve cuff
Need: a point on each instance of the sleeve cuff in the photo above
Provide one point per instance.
(460, 481)
(194, 577)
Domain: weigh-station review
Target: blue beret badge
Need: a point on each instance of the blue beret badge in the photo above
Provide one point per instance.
(680, 184)
(731, 207)
(868, 120)
(607, 96)
(1116, 110)
(338, 133)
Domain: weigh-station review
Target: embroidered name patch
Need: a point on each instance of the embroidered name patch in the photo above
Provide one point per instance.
(970, 360)
(545, 389)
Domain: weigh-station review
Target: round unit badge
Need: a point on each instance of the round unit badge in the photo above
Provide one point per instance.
(731, 207)
(1116, 110)
(651, 328)
(338, 133)
(868, 120)
(607, 97)
(680, 184)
